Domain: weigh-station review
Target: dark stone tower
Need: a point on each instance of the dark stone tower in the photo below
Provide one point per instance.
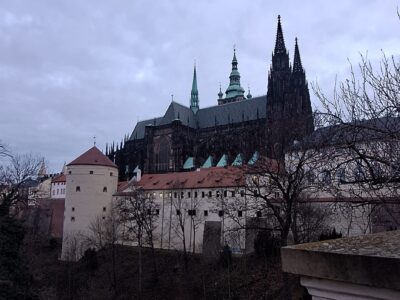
(289, 113)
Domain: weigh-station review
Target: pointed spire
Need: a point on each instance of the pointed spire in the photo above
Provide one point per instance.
(297, 66)
(220, 94)
(280, 42)
(194, 94)
(249, 96)
(234, 60)
(280, 57)
(234, 89)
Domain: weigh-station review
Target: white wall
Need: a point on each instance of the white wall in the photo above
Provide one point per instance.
(168, 234)
(58, 190)
(82, 207)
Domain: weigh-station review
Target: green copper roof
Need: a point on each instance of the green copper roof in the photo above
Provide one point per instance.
(238, 160)
(208, 162)
(254, 158)
(223, 162)
(189, 163)
(234, 89)
(194, 94)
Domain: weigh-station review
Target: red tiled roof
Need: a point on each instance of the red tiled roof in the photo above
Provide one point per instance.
(122, 185)
(93, 157)
(59, 178)
(203, 178)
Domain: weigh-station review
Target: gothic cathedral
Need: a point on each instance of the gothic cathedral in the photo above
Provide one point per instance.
(237, 130)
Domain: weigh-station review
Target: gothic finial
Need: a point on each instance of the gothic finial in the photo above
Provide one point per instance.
(94, 140)
(234, 60)
(220, 94)
(249, 96)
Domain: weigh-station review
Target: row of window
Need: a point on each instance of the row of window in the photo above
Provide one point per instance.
(196, 194)
(59, 191)
(60, 183)
(104, 209)
(221, 213)
(91, 173)
(73, 218)
(78, 189)
(340, 176)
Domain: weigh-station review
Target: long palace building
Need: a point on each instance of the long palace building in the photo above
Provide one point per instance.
(237, 130)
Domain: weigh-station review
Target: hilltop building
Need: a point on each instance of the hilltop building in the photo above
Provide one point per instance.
(240, 126)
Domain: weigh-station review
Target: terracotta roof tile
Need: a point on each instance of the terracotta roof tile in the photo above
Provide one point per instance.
(93, 157)
(122, 185)
(59, 178)
(202, 178)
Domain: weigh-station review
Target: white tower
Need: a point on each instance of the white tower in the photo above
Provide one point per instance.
(91, 180)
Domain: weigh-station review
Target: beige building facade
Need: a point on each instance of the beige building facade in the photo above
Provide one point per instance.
(91, 180)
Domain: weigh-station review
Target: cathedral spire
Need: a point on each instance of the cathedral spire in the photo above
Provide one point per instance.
(280, 42)
(280, 57)
(234, 60)
(297, 67)
(194, 94)
(234, 90)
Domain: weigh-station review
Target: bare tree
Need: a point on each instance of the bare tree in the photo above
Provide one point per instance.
(273, 191)
(363, 115)
(179, 218)
(4, 151)
(107, 232)
(14, 174)
(138, 212)
(196, 220)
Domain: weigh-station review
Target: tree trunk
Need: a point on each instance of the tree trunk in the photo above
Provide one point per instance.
(140, 266)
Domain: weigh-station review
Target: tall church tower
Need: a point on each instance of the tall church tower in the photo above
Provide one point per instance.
(289, 113)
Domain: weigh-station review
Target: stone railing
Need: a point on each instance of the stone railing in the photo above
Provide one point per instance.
(362, 267)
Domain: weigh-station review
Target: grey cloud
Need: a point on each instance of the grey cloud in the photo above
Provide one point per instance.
(70, 70)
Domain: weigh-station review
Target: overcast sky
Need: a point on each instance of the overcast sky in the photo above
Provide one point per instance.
(74, 69)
